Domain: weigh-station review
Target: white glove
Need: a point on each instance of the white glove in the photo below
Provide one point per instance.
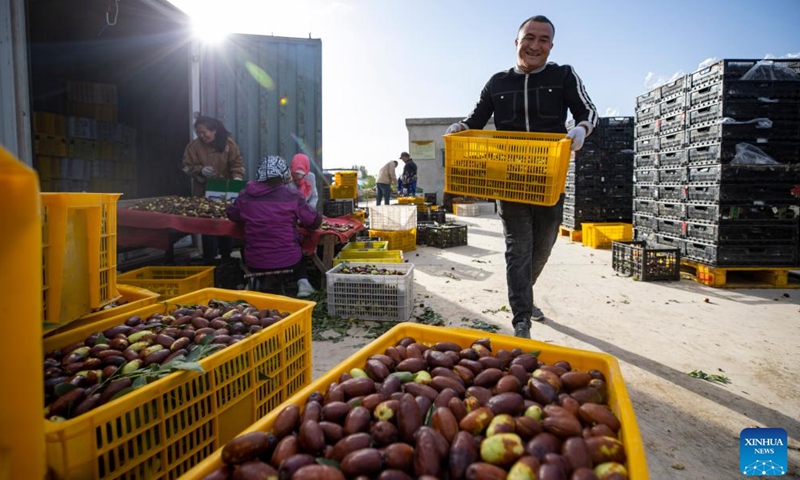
(577, 135)
(456, 127)
(208, 171)
(238, 178)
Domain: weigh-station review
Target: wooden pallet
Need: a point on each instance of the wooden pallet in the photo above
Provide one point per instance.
(740, 277)
(574, 235)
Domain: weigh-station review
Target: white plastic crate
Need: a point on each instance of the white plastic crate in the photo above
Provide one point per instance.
(371, 297)
(486, 208)
(466, 209)
(393, 217)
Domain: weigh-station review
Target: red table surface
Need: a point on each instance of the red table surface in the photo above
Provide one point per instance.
(136, 228)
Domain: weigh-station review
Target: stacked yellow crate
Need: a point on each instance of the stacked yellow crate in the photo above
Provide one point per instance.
(346, 185)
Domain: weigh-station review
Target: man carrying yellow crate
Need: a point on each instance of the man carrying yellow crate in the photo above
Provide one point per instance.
(531, 97)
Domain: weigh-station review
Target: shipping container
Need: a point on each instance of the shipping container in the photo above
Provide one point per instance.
(139, 65)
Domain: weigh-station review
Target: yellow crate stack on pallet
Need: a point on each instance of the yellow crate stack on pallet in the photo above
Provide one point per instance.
(346, 186)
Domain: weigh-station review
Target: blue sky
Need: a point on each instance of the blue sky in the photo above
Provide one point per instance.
(385, 61)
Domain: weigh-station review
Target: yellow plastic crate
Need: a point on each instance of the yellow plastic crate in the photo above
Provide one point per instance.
(133, 298)
(170, 281)
(365, 256)
(342, 192)
(359, 215)
(525, 167)
(346, 179)
(602, 235)
(585, 360)
(379, 245)
(163, 429)
(79, 254)
(22, 400)
(411, 200)
(405, 240)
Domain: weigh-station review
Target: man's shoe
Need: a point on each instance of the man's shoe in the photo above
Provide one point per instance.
(522, 330)
(304, 289)
(537, 315)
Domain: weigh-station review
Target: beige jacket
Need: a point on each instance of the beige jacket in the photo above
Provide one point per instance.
(387, 174)
(227, 164)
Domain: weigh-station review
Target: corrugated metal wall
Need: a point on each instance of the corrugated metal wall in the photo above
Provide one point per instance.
(268, 93)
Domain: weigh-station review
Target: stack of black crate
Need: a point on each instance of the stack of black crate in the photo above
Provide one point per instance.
(700, 181)
(600, 177)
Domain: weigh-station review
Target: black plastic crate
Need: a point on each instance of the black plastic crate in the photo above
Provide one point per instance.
(617, 178)
(645, 160)
(337, 208)
(673, 175)
(614, 122)
(781, 130)
(673, 104)
(438, 216)
(649, 98)
(568, 221)
(672, 158)
(670, 192)
(719, 173)
(743, 110)
(423, 216)
(446, 236)
(674, 210)
(645, 191)
(636, 259)
(645, 205)
(669, 226)
(672, 140)
(647, 112)
(645, 144)
(775, 193)
(734, 69)
(645, 175)
(430, 198)
(743, 231)
(770, 255)
(675, 87)
(659, 240)
(715, 213)
(642, 220)
(741, 89)
(646, 129)
(422, 231)
(674, 121)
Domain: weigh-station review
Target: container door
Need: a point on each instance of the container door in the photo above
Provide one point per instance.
(268, 93)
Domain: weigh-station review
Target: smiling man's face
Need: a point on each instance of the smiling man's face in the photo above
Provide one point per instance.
(533, 43)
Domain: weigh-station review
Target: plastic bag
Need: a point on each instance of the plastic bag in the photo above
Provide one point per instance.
(769, 70)
(747, 154)
(760, 122)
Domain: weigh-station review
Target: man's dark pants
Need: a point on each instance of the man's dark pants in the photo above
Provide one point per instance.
(530, 232)
(383, 190)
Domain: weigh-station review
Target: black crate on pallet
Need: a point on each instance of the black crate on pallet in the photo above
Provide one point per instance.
(430, 198)
(742, 110)
(743, 232)
(423, 216)
(669, 209)
(676, 86)
(643, 220)
(569, 222)
(735, 69)
(766, 194)
(725, 151)
(645, 205)
(718, 173)
(669, 192)
(645, 175)
(763, 255)
(669, 226)
(337, 208)
(636, 259)
(781, 130)
(672, 158)
(674, 121)
(674, 103)
(446, 236)
(645, 160)
(672, 140)
(726, 90)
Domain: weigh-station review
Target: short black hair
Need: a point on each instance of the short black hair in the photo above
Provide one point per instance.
(537, 18)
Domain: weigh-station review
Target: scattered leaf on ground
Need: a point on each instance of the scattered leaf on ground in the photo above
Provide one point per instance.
(709, 377)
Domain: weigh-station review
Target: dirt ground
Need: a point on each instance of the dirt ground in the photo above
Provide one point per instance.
(658, 331)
